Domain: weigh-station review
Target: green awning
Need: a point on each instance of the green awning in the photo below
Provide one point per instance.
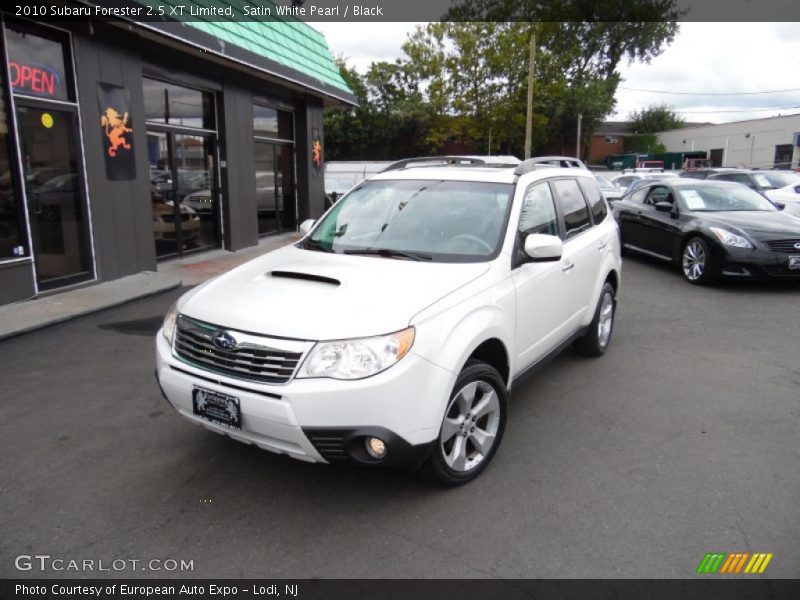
(289, 42)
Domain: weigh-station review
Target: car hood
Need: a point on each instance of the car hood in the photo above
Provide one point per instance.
(761, 225)
(784, 194)
(309, 295)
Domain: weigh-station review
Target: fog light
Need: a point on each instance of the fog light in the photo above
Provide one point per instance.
(376, 448)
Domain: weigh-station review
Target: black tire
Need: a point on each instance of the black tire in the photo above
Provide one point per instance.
(437, 467)
(597, 338)
(709, 272)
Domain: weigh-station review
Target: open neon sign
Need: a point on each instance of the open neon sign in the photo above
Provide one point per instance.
(37, 79)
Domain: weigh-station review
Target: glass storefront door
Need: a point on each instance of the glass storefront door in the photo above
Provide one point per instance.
(275, 203)
(183, 192)
(55, 193)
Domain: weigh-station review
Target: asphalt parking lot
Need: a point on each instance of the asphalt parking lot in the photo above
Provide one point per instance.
(682, 440)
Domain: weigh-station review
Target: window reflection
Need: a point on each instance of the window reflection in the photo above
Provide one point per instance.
(177, 105)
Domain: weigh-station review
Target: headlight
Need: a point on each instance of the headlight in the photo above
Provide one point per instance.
(359, 358)
(168, 328)
(730, 239)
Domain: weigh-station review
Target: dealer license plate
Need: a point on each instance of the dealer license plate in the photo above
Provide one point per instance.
(216, 407)
(794, 262)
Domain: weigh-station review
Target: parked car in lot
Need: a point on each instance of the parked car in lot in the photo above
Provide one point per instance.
(760, 181)
(711, 229)
(789, 196)
(610, 190)
(399, 323)
(624, 182)
(706, 172)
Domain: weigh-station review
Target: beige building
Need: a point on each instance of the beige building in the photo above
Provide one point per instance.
(761, 143)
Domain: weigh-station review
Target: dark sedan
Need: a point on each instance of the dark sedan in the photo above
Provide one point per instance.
(710, 229)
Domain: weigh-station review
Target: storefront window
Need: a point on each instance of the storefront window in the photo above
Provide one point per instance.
(176, 105)
(37, 63)
(272, 123)
(12, 235)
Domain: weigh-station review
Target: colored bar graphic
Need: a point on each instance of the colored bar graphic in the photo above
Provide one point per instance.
(723, 562)
(758, 563)
(711, 562)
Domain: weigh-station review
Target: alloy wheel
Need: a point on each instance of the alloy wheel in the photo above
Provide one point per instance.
(694, 260)
(606, 320)
(470, 426)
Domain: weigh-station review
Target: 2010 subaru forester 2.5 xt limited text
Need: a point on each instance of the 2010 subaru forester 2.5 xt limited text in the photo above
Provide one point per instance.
(393, 331)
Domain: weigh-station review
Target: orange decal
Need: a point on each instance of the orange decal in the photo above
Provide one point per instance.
(317, 153)
(115, 128)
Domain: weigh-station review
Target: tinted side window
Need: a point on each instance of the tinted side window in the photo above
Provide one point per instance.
(538, 211)
(595, 197)
(573, 206)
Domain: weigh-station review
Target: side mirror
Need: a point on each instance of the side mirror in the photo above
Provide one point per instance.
(797, 189)
(306, 226)
(542, 247)
(663, 206)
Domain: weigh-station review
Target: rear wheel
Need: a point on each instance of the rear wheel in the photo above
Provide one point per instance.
(597, 338)
(472, 427)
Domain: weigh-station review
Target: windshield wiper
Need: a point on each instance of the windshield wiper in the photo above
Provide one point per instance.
(315, 245)
(389, 253)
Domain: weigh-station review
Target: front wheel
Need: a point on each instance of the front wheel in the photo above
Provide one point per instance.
(472, 427)
(697, 262)
(597, 338)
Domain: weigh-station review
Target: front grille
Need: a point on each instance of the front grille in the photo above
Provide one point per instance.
(784, 245)
(250, 359)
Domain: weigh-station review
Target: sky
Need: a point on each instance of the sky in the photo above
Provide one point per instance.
(717, 58)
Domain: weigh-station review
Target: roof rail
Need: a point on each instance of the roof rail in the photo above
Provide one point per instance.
(435, 160)
(549, 162)
(456, 160)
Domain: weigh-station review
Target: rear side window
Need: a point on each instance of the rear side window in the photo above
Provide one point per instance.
(538, 211)
(573, 206)
(594, 195)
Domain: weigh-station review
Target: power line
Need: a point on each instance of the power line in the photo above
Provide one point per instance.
(708, 93)
(741, 110)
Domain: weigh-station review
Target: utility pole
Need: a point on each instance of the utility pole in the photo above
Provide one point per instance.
(578, 141)
(529, 116)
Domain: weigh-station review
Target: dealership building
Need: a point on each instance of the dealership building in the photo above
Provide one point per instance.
(126, 143)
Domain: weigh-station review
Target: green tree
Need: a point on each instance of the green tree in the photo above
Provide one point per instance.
(642, 144)
(465, 79)
(655, 118)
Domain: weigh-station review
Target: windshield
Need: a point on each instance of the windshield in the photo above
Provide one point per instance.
(712, 198)
(605, 184)
(446, 221)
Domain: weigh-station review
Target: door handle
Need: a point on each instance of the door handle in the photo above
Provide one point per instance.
(568, 266)
(602, 245)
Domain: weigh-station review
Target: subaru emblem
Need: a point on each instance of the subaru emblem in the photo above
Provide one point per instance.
(224, 340)
(797, 246)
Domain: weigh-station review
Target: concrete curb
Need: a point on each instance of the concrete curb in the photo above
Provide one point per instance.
(30, 315)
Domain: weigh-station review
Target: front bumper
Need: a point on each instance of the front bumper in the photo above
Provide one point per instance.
(323, 420)
(757, 264)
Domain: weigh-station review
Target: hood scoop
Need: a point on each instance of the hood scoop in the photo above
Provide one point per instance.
(305, 277)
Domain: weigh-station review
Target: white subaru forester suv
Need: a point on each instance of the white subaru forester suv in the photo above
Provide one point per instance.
(392, 333)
